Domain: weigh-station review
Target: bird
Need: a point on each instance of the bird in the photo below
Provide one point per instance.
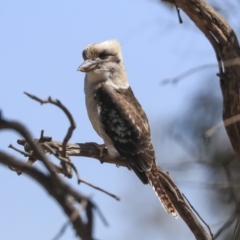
(117, 116)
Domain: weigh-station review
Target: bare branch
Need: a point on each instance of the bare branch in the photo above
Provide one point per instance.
(76, 149)
(226, 225)
(209, 229)
(185, 74)
(51, 182)
(100, 189)
(236, 228)
(68, 114)
(63, 159)
(183, 208)
(67, 170)
(55, 148)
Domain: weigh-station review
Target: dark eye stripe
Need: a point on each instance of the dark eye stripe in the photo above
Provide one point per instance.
(111, 57)
(104, 55)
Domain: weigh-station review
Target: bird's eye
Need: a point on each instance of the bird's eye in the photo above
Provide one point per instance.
(103, 55)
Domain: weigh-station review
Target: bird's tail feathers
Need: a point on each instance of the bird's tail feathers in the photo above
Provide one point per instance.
(160, 192)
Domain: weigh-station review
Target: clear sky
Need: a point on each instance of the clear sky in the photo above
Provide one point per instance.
(40, 49)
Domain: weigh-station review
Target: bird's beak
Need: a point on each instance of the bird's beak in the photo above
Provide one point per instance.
(88, 65)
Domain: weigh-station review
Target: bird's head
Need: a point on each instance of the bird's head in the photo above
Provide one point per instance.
(104, 62)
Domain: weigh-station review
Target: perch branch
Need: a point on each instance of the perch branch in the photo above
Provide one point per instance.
(183, 208)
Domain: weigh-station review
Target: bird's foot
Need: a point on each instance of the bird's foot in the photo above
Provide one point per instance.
(100, 147)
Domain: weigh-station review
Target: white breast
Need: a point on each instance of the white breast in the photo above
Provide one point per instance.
(93, 111)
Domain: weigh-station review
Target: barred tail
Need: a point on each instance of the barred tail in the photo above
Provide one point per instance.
(160, 191)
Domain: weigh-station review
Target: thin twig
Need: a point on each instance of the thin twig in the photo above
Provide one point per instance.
(209, 229)
(62, 230)
(66, 111)
(51, 150)
(66, 169)
(236, 228)
(23, 131)
(78, 176)
(25, 154)
(183, 75)
(104, 220)
(73, 216)
(100, 189)
(227, 224)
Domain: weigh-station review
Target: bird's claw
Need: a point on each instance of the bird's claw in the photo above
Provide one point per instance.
(100, 147)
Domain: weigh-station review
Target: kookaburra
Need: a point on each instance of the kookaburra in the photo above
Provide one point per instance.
(117, 116)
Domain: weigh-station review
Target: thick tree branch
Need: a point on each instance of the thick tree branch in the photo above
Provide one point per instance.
(227, 50)
(226, 47)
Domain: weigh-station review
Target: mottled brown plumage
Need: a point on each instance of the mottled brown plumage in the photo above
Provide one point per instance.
(117, 116)
(158, 188)
(124, 120)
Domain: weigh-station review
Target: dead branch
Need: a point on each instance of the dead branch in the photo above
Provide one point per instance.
(55, 147)
(66, 168)
(68, 114)
(60, 191)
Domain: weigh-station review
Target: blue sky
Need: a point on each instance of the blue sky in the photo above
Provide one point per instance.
(41, 44)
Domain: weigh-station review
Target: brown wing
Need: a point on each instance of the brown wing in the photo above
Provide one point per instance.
(126, 124)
